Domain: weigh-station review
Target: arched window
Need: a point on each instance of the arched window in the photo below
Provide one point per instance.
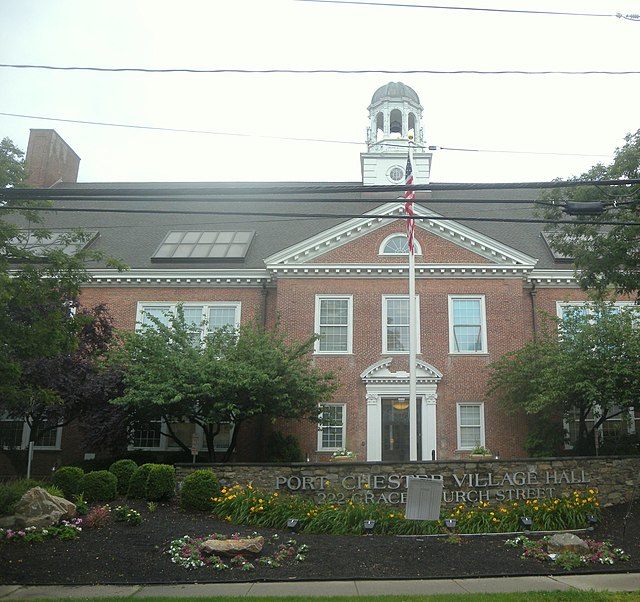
(397, 244)
(395, 122)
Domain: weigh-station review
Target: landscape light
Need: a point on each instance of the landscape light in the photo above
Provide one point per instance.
(526, 521)
(292, 524)
(450, 523)
(368, 526)
(592, 519)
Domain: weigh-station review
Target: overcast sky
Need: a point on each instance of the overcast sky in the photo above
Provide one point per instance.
(584, 116)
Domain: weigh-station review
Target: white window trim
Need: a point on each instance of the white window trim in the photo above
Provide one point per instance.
(26, 433)
(416, 246)
(385, 348)
(164, 442)
(560, 305)
(459, 426)
(206, 306)
(631, 425)
(349, 349)
(320, 448)
(483, 325)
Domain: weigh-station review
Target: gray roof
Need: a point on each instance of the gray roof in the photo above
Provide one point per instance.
(136, 224)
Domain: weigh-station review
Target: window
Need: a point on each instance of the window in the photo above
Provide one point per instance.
(621, 423)
(333, 324)
(11, 431)
(204, 246)
(470, 422)
(467, 324)
(202, 318)
(583, 308)
(395, 331)
(331, 431)
(397, 244)
(15, 433)
(149, 436)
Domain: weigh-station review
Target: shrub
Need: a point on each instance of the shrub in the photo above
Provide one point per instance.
(123, 469)
(161, 482)
(11, 492)
(281, 448)
(97, 517)
(137, 489)
(69, 480)
(198, 488)
(100, 486)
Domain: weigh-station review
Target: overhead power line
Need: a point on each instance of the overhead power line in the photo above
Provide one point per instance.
(264, 190)
(477, 9)
(316, 71)
(285, 138)
(321, 215)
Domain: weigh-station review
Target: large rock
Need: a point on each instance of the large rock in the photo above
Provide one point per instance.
(566, 542)
(232, 547)
(38, 508)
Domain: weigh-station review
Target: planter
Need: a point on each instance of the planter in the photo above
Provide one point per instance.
(343, 459)
(481, 457)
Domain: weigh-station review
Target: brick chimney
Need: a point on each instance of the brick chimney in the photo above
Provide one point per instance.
(50, 159)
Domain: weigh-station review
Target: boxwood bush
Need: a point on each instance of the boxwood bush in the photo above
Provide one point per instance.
(137, 489)
(70, 480)
(161, 482)
(198, 488)
(123, 469)
(100, 486)
(11, 492)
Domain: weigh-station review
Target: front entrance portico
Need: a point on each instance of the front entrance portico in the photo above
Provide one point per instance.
(387, 395)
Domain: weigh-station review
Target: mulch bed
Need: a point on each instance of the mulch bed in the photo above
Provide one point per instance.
(123, 554)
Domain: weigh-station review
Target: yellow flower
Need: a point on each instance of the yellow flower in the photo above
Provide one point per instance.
(366, 485)
(227, 518)
(392, 516)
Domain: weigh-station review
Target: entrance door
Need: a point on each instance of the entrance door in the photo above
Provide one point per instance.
(395, 429)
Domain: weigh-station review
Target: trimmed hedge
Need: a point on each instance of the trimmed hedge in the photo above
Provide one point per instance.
(123, 469)
(69, 479)
(100, 486)
(198, 488)
(138, 482)
(161, 482)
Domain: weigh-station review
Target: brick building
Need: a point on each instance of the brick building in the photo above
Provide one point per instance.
(332, 259)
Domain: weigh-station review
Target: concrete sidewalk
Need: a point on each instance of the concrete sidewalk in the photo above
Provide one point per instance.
(623, 582)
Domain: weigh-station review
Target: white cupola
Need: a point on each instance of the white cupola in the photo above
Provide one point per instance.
(395, 123)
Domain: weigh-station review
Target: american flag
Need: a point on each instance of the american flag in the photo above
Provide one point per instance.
(409, 197)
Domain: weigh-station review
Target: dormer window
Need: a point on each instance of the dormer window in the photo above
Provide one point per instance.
(397, 244)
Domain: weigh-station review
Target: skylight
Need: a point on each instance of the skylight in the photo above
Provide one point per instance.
(204, 246)
(55, 241)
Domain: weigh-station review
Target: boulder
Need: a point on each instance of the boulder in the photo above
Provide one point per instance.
(232, 547)
(38, 508)
(566, 542)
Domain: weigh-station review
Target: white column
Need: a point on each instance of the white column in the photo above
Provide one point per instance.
(374, 428)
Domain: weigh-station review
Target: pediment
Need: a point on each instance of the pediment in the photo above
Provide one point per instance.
(380, 372)
(321, 248)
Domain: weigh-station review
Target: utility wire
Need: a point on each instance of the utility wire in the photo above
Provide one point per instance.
(315, 71)
(475, 9)
(286, 138)
(324, 215)
(196, 192)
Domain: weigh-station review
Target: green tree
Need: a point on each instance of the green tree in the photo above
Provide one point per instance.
(588, 366)
(45, 340)
(605, 256)
(233, 376)
(13, 172)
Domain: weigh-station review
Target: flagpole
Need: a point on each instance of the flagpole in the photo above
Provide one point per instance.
(413, 335)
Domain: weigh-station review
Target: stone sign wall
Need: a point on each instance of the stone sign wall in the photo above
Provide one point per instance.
(463, 481)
